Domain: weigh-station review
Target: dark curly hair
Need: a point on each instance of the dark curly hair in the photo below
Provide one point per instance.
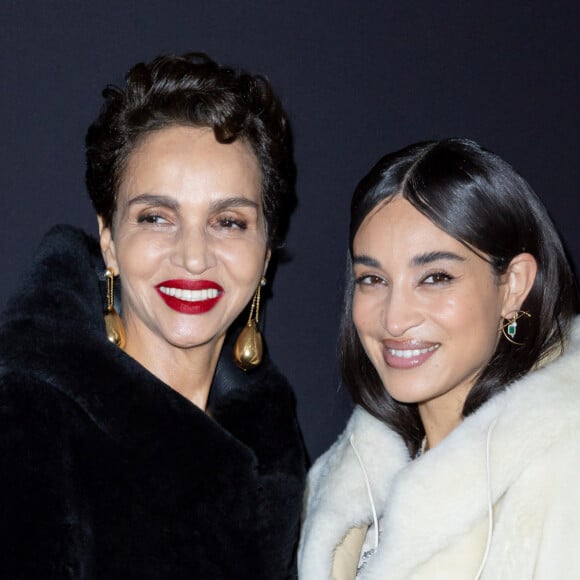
(192, 90)
(478, 199)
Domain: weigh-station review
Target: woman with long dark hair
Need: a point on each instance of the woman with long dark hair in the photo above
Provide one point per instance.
(461, 351)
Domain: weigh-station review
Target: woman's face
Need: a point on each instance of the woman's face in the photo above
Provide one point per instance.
(188, 237)
(426, 308)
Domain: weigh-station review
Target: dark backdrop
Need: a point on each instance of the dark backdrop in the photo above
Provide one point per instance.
(358, 78)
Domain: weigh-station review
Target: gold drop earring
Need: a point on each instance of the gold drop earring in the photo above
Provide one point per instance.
(248, 349)
(113, 323)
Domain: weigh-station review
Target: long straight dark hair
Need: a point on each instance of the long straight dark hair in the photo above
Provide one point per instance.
(478, 199)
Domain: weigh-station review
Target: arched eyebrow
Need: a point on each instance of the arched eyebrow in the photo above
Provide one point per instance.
(429, 257)
(237, 201)
(151, 199)
(365, 260)
(419, 260)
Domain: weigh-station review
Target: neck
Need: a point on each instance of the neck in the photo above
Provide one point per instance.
(437, 427)
(441, 415)
(189, 371)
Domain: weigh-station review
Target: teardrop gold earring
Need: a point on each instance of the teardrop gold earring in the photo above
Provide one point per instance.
(113, 323)
(249, 349)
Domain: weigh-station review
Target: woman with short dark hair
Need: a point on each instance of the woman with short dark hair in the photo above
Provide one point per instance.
(154, 441)
(461, 349)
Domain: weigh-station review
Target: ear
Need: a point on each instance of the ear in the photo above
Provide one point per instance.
(519, 279)
(107, 246)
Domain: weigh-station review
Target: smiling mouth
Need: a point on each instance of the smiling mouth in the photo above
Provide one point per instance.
(190, 296)
(408, 353)
(407, 358)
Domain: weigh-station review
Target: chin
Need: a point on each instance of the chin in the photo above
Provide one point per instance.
(408, 395)
(185, 343)
(187, 338)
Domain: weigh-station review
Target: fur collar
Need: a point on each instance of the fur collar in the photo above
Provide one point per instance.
(530, 416)
(125, 475)
(53, 329)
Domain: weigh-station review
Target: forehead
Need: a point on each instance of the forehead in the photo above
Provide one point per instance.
(396, 235)
(180, 159)
(397, 226)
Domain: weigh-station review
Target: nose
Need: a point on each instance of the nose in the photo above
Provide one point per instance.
(400, 312)
(193, 249)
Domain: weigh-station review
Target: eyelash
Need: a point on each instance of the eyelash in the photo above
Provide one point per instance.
(150, 218)
(443, 278)
(227, 222)
(232, 223)
(373, 279)
(368, 280)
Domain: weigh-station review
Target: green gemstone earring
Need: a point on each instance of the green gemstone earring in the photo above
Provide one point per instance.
(510, 328)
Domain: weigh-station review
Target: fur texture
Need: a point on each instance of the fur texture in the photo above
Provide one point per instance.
(108, 473)
(434, 511)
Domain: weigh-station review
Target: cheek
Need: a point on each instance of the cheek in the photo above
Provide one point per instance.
(358, 313)
(446, 305)
(462, 313)
(364, 319)
(368, 306)
(139, 256)
(490, 334)
(244, 261)
(474, 323)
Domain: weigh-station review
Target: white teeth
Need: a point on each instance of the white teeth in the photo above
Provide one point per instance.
(190, 295)
(411, 353)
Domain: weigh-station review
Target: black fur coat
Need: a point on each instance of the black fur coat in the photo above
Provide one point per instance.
(107, 473)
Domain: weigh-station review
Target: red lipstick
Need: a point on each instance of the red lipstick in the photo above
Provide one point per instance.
(190, 296)
(407, 354)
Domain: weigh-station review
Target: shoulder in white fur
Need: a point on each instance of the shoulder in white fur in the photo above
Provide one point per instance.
(447, 487)
(337, 497)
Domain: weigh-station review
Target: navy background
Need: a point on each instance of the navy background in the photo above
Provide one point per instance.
(358, 78)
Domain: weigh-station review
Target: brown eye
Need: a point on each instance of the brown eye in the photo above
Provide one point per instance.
(151, 218)
(437, 278)
(231, 223)
(369, 280)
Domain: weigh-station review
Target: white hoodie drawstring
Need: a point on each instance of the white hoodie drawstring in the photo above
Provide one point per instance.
(369, 492)
(489, 496)
(489, 499)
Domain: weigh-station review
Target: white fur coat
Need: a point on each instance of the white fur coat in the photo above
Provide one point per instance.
(434, 510)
